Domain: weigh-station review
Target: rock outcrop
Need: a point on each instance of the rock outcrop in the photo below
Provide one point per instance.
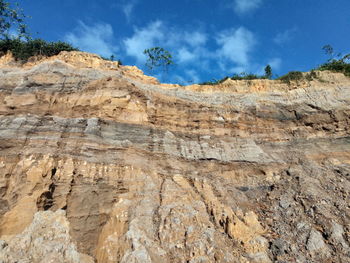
(100, 163)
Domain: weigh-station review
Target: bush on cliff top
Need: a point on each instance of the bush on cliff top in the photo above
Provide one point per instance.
(337, 62)
(242, 76)
(337, 66)
(291, 76)
(23, 50)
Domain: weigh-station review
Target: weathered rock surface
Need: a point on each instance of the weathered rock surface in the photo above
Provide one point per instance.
(99, 163)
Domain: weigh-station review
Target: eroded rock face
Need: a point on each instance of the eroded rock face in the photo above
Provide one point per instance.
(46, 239)
(101, 163)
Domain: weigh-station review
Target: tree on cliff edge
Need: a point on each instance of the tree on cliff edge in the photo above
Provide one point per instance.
(12, 19)
(14, 37)
(158, 57)
(268, 72)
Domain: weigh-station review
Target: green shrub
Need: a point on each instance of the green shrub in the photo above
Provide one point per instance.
(23, 50)
(214, 81)
(336, 66)
(292, 76)
(112, 58)
(336, 62)
(241, 76)
(311, 75)
(246, 76)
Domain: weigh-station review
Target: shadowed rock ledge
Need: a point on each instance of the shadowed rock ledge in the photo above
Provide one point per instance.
(100, 163)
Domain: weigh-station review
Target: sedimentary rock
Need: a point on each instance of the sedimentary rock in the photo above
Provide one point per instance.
(99, 162)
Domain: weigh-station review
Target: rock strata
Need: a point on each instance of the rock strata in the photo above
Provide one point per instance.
(100, 163)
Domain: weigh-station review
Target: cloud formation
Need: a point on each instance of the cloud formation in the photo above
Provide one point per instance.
(232, 53)
(275, 63)
(236, 45)
(144, 38)
(128, 8)
(246, 6)
(195, 38)
(196, 52)
(187, 45)
(285, 37)
(96, 38)
(184, 55)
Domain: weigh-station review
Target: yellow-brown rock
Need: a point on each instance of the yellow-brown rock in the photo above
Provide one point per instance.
(100, 163)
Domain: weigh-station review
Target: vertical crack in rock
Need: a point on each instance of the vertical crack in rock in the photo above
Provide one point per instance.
(157, 216)
(86, 204)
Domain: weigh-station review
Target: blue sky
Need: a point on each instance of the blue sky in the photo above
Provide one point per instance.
(208, 39)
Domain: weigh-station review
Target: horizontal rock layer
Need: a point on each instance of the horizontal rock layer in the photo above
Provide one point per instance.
(101, 163)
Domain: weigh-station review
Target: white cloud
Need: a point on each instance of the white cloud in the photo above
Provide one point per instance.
(195, 38)
(234, 53)
(96, 38)
(245, 6)
(191, 54)
(235, 45)
(128, 8)
(275, 63)
(185, 46)
(144, 38)
(188, 47)
(184, 55)
(286, 36)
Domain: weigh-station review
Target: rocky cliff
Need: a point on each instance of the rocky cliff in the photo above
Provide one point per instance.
(100, 163)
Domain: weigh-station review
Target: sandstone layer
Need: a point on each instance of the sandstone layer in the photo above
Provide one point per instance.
(100, 163)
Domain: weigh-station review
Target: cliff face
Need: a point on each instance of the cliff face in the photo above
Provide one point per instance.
(99, 163)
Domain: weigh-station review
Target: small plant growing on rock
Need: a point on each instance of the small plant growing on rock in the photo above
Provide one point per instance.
(242, 76)
(245, 76)
(311, 75)
(292, 76)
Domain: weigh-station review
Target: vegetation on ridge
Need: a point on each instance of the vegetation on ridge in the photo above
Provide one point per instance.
(14, 38)
(336, 63)
(242, 76)
(24, 49)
